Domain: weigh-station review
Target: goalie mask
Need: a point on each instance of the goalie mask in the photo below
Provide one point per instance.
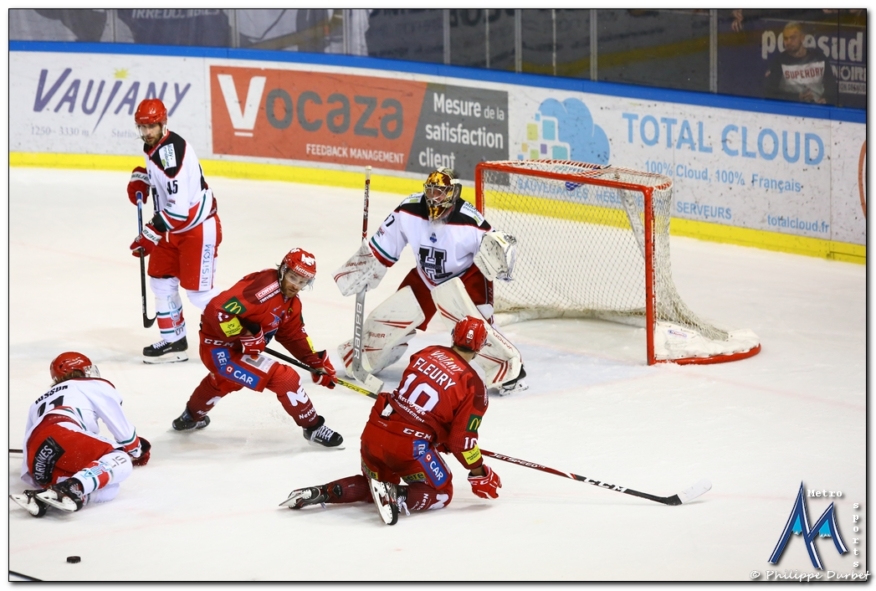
(442, 188)
(150, 112)
(66, 363)
(470, 334)
(296, 272)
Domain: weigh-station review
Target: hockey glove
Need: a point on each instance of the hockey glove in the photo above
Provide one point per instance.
(145, 449)
(324, 365)
(145, 241)
(486, 486)
(138, 185)
(253, 344)
(361, 271)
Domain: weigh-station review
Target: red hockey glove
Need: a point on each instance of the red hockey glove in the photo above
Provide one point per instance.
(323, 364)
(253, 344)
(146, 241)
(138, 185)
(486, 486)
(145, 449)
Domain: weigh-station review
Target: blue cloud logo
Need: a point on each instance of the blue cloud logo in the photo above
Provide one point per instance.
(564, 131)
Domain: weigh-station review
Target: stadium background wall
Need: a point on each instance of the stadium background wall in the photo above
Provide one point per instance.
(780, 176)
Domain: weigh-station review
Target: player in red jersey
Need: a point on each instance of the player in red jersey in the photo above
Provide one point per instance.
(64, 451)
(235, 329)
(439, 406)
(184, 234)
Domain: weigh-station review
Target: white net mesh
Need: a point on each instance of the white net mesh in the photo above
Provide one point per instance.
(581, 244)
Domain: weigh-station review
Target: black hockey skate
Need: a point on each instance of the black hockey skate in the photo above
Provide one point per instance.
(186, 422)
(30, 503)
(319, 434)
(66, 496)
(515, 385)
(164, 352)
(302, 497)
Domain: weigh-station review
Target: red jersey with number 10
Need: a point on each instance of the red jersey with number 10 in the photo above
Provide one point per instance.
(441, 394)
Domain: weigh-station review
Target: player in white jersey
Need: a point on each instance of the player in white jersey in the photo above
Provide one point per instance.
(184, 234)
(64, 452)
(458, 256)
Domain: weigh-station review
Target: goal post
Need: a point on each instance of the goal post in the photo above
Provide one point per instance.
(593, 242)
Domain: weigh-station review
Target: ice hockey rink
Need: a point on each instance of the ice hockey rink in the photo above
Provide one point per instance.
(205, 508)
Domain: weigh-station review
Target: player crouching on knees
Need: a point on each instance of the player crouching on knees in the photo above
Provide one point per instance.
(458, 258)
(64, 452)
(236, 327)
(438, 408)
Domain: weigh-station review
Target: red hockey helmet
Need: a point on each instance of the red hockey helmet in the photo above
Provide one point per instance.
(469, 333)
(150, 111)
(302, 265)
(68, 362)
(442, 188)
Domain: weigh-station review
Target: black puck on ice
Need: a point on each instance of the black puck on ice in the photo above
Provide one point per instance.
(73, 559)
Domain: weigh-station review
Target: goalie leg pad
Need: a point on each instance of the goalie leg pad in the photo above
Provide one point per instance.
(387, 331)
(499, 358)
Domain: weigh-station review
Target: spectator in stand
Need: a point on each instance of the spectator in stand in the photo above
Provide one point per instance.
(798, 73)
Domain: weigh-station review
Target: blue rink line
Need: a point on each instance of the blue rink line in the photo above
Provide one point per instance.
(685, 97)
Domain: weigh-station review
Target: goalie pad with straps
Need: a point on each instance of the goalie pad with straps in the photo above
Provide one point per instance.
(386, 332)
(361, 271)
(496, 256)
(499, 359)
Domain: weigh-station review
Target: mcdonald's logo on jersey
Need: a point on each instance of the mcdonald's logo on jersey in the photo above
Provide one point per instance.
(474, 423)
(798, 523)
(234, 306)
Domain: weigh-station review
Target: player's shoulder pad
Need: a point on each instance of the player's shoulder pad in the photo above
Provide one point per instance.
(469, 215)
(169, 155)
(413, 204)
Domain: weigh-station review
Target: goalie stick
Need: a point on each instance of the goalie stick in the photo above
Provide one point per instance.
(685, 496)
(358, 368)
(341, 381)
(147, 322)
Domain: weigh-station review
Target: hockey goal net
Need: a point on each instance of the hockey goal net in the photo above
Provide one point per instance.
(593, 241)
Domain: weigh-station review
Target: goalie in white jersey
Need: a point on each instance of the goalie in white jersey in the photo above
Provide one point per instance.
(64, 452)
(458, 257)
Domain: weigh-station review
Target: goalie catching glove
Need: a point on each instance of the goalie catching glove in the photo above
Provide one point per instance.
(496, 256)
(361, 271)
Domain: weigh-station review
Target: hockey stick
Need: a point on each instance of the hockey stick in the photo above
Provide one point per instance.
(15, 451)
(341, 381)
(359, 372)
(685, 496)
(147, 322)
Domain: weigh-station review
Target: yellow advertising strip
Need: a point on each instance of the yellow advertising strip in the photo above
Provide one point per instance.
(224, 168)
(816, 247)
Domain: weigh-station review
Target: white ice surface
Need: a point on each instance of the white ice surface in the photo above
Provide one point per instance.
(205, 508)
